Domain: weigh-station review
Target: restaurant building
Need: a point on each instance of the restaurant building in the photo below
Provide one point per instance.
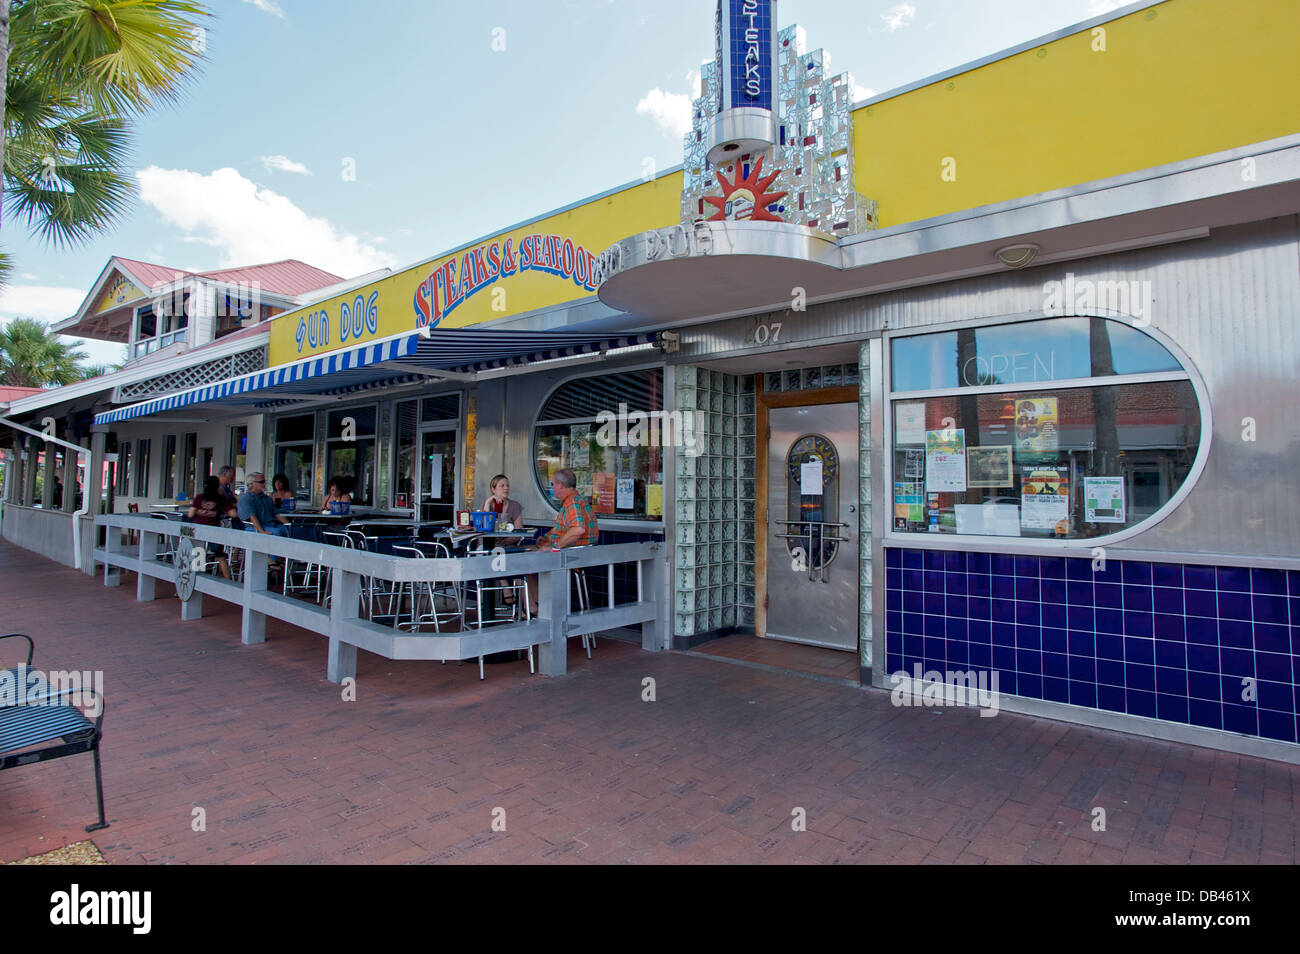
(992, 372)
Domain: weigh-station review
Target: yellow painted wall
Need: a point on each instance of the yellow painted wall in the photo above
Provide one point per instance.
(594, 225)
(1181, 79)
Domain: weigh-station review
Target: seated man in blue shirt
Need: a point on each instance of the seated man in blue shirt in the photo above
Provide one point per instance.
(257, 510)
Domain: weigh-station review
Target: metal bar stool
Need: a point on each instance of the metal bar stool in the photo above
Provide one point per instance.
(434, 590)
(519, 588)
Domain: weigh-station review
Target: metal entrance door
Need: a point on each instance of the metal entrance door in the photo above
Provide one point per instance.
(438, 475)
(812, 525)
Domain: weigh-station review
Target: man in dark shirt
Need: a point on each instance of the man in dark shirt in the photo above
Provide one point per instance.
(226, 482)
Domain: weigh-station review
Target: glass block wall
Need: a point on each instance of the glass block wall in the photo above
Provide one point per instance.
(713, 569)
(864, 505)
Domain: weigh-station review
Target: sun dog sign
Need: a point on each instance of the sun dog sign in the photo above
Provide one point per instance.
(458, 279)
(356, 318)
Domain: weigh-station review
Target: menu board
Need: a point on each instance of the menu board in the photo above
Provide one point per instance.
(1103, 499)
(945, 460)
(602, 483)
(1045, 499)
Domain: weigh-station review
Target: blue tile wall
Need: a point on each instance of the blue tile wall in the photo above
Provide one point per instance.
(1162, 640)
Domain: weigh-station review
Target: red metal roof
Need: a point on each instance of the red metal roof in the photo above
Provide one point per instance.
(288, 277)
(151, 274)
(9, 393)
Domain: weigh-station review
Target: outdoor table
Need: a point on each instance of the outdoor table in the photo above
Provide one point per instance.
(500, 538)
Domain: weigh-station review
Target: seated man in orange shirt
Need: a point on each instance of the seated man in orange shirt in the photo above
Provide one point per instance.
(575, 525)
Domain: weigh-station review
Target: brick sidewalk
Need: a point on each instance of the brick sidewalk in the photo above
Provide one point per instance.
(711, 771)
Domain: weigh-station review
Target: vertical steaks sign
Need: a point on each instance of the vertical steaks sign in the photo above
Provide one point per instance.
(456, 281)
(747, 32)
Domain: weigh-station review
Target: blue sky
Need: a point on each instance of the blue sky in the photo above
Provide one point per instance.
(450, 136)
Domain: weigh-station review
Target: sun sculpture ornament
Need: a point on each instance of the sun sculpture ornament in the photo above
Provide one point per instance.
(747, 197)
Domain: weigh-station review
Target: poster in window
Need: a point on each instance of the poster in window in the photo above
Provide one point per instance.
(1036, 426)
(603, 484)
(625, 492)
(909, 502)
(654, 500)
(580, 446)
(1045, 499)
(909, 423)
(914, 463)
(584, 483)
(626, 461)
(945, 460)
(1103, 499)
(989, 466)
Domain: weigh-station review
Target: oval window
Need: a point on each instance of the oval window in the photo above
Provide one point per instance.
(1062, 428)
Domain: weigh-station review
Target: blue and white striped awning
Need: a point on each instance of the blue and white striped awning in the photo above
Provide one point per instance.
(392, 362)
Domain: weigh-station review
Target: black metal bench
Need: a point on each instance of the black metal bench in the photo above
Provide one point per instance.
(37, 728)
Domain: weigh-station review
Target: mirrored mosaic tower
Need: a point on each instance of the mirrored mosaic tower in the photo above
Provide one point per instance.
(811, 145)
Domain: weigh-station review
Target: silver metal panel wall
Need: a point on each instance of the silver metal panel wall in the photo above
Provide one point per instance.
(1230, 302)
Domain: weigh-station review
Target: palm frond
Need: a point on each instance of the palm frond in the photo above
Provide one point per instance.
(126, 55)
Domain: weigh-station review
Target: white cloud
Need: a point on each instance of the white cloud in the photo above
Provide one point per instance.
(1097, 7)
(97, 352)
(861, 92)
(47, 303)
(899, 16)
(29, 277)
(269, 6)
(250, 225)
(670, 111)
(284, 164)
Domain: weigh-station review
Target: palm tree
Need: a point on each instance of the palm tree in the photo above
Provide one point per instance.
(32, 357)
(78, 71)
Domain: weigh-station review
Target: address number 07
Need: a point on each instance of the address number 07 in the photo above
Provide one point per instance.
(766, 332)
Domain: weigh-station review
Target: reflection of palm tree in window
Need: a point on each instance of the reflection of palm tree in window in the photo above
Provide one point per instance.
(1106, 459)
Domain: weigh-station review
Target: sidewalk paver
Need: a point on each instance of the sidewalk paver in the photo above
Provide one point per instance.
(428, 763)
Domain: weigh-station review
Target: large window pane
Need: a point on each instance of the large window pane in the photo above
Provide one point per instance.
(350, 462)
(363, 421)
(142, 470)
(404, 467)
(295, 463)
(300, 427)
(1052, 349)
(169, 466)
(1069, 463)
(622, 474)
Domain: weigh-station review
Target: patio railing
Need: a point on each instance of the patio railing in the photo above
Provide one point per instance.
(342, 621)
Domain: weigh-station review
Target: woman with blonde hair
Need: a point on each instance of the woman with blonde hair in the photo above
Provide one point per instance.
(509, 511)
